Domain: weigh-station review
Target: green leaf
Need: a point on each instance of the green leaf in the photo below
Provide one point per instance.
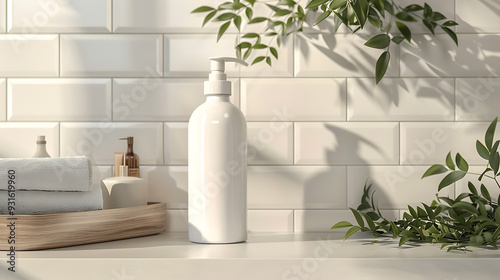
(259, 46)
(449, 162)
(282, 13)
(342, 224)
(395, 230)
(447, 200)
(494, 161)
(495, 147)
(482, 208)
(246, 55)
(490, 133)
(208, 17)
(404, 30)
(421, 213)
(451, 33)
(485, 193)
(435, 169)
(258, 59)
(403, 240)
(450, 23)
(374, 216)
(436, 16)
(465, 206)
(462, 196)
(379, 5)
(274, 52)
(430, 25)
(413, 212)
(251, 35)
(360, 9)
(369, 221)
(268, 61)
(389, 7)
(413, 8)
(380, 41)
(222, 29)
(363, 206)
(249, 13)
(374, 19)
(497, 215)
(335, 4)
(382, 64)
(226, 16)
(315, 3)
(244, 45)
(407, 216)
(451, 178)
(484, 172)
(322, 17)
(398, 39)
(461, 163)
(237, 22)
(488, 236)
(482, 151)
(427, 11)
(358, 217)
(429, 211)
(472, 188)
(351, 231)
(202, 9)
(257, 20)
(404, 16)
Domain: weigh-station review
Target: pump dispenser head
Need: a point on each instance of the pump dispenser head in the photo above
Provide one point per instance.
(217, 80)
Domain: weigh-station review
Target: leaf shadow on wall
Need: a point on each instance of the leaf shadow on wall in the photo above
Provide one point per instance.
(328, 46)
(389, 92)
(164, 187)
(477, 57)
(347, 150)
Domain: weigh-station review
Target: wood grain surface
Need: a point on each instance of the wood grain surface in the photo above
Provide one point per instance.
(37, 232)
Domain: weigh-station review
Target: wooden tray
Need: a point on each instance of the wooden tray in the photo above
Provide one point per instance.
(37, 232)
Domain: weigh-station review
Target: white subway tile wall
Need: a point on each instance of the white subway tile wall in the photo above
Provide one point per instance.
(3, 100)
(72, 99)
(68, 16)
(85, 73)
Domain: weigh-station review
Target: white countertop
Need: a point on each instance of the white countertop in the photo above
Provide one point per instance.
(263, 256)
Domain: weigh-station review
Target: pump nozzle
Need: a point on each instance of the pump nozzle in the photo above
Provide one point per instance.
(217, 80)
(218, 63)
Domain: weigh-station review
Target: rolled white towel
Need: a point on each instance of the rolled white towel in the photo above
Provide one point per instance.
(44, 202)
(47, 174)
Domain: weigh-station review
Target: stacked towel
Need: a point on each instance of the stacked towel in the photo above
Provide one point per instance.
(49, 185)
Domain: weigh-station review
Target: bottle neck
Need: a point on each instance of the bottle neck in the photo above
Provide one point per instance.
(130, 149)
(41, 150)
(218, 97)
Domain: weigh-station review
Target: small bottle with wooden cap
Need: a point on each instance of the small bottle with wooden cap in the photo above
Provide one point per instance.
(41, 148)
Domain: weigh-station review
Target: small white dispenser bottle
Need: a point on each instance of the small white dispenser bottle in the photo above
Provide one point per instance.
(217, 180)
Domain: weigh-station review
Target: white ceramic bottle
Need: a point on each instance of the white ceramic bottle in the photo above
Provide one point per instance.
(217, 193)
(41, 148)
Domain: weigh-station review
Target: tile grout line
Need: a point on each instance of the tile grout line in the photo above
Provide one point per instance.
(59, 52)
(6, 99)
(112, 119)
(60, 138)
(7, 16)
(111, 18)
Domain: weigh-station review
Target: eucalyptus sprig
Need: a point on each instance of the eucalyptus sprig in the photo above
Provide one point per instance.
(471, 219)
(288, 17)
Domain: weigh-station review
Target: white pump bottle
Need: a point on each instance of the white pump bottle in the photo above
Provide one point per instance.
(217, 192)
